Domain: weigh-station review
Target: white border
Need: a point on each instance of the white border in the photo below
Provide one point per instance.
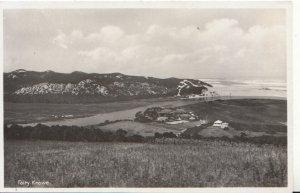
(162, 4)
(296, 102)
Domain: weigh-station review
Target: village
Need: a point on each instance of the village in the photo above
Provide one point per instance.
(173, 116)
(165, 115)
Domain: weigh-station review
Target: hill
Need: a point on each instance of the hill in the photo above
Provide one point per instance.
(80, 87)
(260, 116)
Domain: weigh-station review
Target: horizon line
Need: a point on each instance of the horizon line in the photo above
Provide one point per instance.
(213, 78)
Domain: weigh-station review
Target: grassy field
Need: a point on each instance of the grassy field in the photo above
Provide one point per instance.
(175, 164)
(253, 111)
(145, 129)
(259, 115)
(131, 127)
(254, 117)
(266, 111)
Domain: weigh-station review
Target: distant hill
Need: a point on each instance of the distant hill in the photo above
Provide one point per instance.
(52, 87)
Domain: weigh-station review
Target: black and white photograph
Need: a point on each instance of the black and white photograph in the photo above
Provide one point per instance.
(151, 97)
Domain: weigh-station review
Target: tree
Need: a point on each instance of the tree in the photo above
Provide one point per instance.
(141, 117)
(158, 135)
(152, 113)
(139, 114)
(243, 134)
(121, 132)
(169, 135)
(121, 135)
(137, 138)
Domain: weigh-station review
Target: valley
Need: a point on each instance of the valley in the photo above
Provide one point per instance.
(247, 118)
(135, 125)
(82, 114)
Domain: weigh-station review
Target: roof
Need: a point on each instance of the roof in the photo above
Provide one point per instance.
(162, 118)
(218, 121)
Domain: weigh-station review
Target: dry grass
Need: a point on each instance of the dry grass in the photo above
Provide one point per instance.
(191, 164)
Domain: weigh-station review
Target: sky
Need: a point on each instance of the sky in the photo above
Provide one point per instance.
(184, 43)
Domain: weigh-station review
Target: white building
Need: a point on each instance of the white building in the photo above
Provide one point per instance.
(219, 123)
(224, 125)
(162, 119)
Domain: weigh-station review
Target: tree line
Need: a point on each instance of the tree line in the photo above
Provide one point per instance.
(76, 133)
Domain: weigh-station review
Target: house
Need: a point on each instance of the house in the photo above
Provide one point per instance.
(201, 122)
(220, 124)
(162, 119)
(224, 125)
(191, 113)
(192, 118)
(217, 123)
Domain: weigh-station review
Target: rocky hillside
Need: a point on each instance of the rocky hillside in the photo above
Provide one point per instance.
(49, 86)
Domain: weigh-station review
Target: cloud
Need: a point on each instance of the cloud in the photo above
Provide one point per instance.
(111, 33)
(61, 40)
(219, 48)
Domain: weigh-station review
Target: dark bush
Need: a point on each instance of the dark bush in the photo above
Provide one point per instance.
(136, 138)
(158, 135)
(226, 129)
(243, 134)
(169, 135)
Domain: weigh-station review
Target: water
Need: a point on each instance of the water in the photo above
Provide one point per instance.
(259, 88)
(130, 113)
(112, 116)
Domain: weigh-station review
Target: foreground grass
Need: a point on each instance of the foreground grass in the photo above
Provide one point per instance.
(183, 164)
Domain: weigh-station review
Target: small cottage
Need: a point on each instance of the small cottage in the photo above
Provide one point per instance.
(220, 124)
(162, 119)
(192, 118)
(217, 123)
(224, 125)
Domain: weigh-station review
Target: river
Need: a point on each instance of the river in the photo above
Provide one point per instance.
(130, 113)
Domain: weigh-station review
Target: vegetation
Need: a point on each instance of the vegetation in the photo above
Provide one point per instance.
(168, 114)
(262, 115)
(139, 87)
(134, 127)
(150, 114)
(73, 156)
(16, 113)
(266, 111)
(91, 134)
(188, 164)
(66, 133)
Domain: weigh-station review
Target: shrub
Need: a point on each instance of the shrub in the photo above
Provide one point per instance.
(169, 135)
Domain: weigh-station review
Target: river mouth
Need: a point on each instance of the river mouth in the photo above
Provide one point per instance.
(129, 114)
